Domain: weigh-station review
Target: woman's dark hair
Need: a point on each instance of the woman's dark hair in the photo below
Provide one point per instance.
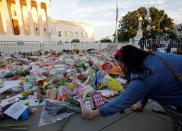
(133, 58)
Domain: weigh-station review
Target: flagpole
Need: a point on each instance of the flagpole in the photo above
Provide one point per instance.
(116, 37)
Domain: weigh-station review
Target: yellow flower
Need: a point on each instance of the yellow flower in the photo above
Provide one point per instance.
(45, 84)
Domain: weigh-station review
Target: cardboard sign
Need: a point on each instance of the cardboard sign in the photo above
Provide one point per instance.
(16, 110)
(98, 100)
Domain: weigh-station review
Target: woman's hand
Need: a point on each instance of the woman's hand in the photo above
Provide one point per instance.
(90, 114)
(138, 107)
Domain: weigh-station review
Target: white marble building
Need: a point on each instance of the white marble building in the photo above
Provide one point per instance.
(66, 31)
(30, 20)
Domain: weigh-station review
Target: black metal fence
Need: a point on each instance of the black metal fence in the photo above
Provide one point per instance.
(153, 44)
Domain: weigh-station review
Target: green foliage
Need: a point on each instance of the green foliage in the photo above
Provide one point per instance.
(172, 35)
(106, 40)
(155, 23)
(75, 41)
(61, 81)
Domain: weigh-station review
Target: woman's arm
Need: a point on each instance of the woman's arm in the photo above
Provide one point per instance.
(136, 90)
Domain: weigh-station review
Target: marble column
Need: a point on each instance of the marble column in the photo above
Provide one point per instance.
(31, 25)
(19, 16)
(8, 29)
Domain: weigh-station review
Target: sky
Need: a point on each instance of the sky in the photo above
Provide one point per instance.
(101, 14)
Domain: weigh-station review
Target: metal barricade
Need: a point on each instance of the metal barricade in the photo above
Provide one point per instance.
(11, 47)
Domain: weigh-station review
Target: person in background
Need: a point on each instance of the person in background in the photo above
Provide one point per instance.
(149, 79)
(141, 43)
(172, 44)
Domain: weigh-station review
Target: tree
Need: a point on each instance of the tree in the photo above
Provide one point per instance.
(106, 40)
(172, 35)
(75, 41)
(155, 23)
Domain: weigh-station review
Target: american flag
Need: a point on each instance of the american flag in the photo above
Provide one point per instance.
(117, 11)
